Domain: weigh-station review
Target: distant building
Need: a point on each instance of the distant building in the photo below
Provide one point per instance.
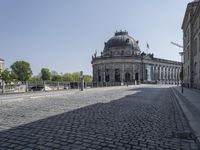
(1, 64)
(1, 68)
(191, 45)
(122, 62)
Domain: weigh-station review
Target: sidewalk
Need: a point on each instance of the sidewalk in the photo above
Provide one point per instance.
(190, 104)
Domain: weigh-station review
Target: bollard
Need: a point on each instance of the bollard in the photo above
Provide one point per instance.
(82, 81)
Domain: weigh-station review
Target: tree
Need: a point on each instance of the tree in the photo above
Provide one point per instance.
(56, 78)
(35, 79)
(87, 78)
(45, 74)
(67, 77)
(6, 75)
(76, 76)
(54, 73)
(22, 70)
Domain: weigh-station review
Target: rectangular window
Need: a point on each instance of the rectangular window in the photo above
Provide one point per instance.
(195, 46)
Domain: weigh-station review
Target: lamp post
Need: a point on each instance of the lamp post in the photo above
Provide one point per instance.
(142, 57)
(181, 74)
(82, 81)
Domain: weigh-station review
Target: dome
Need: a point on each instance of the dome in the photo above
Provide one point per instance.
(121, 40)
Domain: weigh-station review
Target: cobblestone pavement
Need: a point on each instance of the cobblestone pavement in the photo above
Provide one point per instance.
(143, 117)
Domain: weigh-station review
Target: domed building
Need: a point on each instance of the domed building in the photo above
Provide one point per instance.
(122, 62)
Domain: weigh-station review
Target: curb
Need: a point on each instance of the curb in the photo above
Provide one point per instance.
(180, 98)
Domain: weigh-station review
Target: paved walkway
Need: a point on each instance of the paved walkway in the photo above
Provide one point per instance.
(190, 103)
(124, 118)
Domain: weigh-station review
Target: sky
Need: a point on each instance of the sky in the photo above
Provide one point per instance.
(62, 35)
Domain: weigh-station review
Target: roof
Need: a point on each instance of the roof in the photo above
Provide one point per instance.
(121, 39)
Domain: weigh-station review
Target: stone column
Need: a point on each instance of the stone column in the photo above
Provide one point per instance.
(161, 68)
(153, 73)
(169, 74)
(173, 75)
(102, 77)
(176, 75)
(160, 73)
(152, 77)
(112, 74)
(122, 74)
(157, 72)
(164, 74)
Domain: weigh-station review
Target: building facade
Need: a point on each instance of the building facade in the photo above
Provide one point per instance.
(1, 64)
(122, 62)
(191, 45)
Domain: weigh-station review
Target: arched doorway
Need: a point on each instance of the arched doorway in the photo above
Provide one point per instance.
(117, 75)
(99, 75)
(136, 76)
(107, 77)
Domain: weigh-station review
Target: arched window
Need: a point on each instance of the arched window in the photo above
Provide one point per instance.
(136, 77)
(127, 77)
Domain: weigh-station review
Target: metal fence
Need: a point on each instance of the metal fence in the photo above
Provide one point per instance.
(21, 87)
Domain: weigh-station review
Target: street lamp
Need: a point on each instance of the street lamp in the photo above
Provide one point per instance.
(181, 74)
(82, 80)
(142, 57)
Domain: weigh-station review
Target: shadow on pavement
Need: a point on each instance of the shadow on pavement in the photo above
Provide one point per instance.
(146, 119)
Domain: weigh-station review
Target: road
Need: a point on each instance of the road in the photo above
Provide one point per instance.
(135, 117)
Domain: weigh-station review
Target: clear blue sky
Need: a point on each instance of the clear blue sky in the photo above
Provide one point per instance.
(63, 34)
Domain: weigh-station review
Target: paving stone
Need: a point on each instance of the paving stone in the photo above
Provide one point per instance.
(115, 118)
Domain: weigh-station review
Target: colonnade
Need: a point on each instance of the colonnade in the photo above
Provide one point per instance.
(161, 73)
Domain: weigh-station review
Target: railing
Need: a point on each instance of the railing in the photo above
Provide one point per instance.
(22, 87)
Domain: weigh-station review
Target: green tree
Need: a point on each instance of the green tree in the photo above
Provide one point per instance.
(35, 79)
(56, 78)
(54, 73)
(87, 78)
(6, 76)
(75, 76)
(45, 74)
(21, 70)
(67, 77)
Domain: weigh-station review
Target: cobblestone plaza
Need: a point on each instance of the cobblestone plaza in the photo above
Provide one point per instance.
(135, 117)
